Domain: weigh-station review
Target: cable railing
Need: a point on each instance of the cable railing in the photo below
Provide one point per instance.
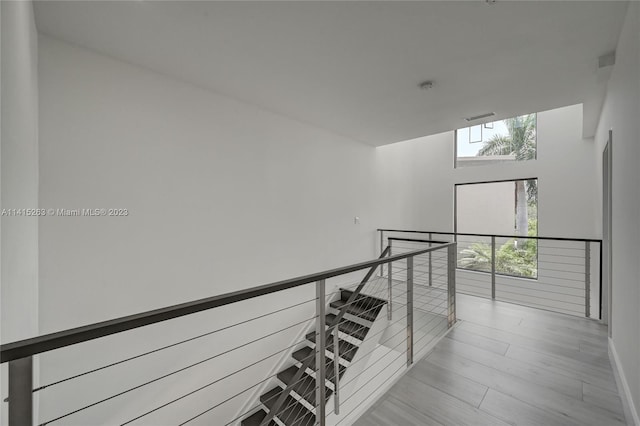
(556, 274)
(307, 350)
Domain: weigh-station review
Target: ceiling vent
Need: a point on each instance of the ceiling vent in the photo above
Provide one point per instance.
(478, 117)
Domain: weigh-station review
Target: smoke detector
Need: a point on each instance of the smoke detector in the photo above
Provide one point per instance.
(426, 85)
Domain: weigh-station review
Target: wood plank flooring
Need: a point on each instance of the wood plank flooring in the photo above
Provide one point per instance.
(505, 364)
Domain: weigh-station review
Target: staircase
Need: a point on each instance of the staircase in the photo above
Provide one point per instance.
(298, 408)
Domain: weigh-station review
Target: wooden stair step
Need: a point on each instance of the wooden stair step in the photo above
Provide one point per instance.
(305, 387)
(346, 349)
(303, 354)
(361, 298)
(291, 413)
(256, 418)
(368, 313)
(351, 328)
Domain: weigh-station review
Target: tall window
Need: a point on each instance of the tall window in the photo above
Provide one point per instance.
(507, 208)
(511, 139)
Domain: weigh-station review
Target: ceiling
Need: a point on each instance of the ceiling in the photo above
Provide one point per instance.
(354, 67)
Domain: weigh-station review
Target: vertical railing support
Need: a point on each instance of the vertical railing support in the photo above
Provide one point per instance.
(336, 368)
(451, 284)
(587, 279)
(493, 267)
(389, 286)
(381, 250)
(430, 267)
(409, 311)
(21, 392)
(321, 341)
(600, 281)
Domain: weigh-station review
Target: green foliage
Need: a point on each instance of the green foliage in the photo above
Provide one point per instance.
(511, 259)
(521, 260)
(520, 142)
(476, 257)
(533, 225)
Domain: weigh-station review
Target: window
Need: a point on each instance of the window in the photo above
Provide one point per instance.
(511, 139)
(508, 209)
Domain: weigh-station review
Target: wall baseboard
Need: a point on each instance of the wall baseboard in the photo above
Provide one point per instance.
(630, 411)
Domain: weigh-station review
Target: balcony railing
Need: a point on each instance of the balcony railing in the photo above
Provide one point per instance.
(307, 350)
(555, 274)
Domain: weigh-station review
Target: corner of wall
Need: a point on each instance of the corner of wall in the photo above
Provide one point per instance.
(630, 411)
(19, 182)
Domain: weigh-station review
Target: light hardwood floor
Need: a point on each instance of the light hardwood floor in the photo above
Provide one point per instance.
(507, 364)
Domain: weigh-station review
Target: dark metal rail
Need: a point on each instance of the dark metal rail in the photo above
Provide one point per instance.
(287, 403)
(590, 240)
(548, 276)
(28, 347)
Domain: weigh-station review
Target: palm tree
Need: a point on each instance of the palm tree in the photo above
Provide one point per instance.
(520, 141)
(477, 257)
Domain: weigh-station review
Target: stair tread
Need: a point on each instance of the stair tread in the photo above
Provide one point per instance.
(305, 387)
(291, 413)
(268, 398)
(368, 313)
(345, 294)
(303, 354)
(296, 414)
(256, 418)
(346, 349)
(349, 327)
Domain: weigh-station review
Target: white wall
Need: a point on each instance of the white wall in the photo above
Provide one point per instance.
(620, 114)
(414, 183)
(19, 171)
(224, 195)
(417, 177)
(19, 176)
(220, 195)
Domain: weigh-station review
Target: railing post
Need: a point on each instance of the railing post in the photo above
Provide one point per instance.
(21, 392)
(409, 311)
(381, 250)
(430, 267)
(451, 284)
(600, 280)
(389, 286)
(321, 337)
(493, 267)
(587, 279)
(336, 368)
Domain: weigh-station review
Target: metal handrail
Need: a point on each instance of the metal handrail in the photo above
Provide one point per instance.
(590, 240)
(28, 347)
(494, 273)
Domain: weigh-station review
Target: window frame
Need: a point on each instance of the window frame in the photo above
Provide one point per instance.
(455, 138)
(455, 226)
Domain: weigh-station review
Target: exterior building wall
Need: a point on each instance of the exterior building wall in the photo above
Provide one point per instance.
(486, 208)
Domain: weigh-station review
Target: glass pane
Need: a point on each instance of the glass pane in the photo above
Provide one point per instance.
(475, 134)
(511, 139)
(507, 209)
